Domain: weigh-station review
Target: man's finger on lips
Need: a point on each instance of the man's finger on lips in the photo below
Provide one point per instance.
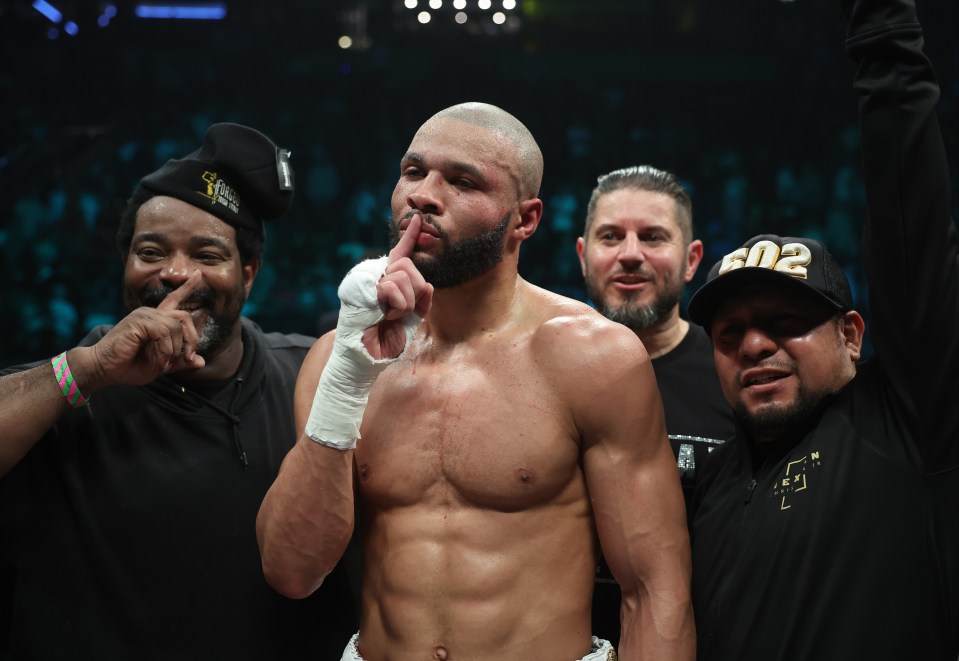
(176, 297)
(404, 247)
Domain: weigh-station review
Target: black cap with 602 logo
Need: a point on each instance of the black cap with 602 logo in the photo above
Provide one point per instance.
(772, 260)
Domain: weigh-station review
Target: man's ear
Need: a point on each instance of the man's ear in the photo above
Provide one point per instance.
(530, 213)
(853, 329)
(694, 255)
(581, 251)
(250, 269)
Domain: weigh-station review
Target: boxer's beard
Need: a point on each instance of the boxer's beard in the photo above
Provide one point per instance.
(459, 261)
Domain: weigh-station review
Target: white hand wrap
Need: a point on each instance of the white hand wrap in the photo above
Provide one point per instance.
(345, 384)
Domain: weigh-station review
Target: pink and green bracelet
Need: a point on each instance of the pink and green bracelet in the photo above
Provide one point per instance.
(61, 368)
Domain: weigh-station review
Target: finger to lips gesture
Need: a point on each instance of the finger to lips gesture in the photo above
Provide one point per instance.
(401, 291)
(180, 347)
(402, 288)
(150, 342)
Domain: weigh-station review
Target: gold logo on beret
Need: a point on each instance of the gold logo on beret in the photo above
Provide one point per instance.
(220, 192)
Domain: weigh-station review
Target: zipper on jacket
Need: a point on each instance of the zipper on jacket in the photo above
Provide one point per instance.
(240, 452)
(746, 498)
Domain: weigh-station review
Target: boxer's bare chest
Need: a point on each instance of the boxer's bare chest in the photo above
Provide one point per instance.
(479, 425)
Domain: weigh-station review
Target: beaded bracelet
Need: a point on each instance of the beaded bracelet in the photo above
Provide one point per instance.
(61, 368)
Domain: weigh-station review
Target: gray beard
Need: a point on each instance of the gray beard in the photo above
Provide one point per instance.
(211, 337)
(635, 317)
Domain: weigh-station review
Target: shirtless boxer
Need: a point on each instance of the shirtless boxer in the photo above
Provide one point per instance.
(495, 450)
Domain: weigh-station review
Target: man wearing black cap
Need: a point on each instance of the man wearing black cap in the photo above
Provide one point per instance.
(827, 529)
(133, 464)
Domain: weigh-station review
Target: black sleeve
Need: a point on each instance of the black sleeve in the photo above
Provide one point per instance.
(909, 242)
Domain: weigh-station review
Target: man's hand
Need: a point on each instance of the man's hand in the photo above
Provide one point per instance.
(401, 291)
(144, 345)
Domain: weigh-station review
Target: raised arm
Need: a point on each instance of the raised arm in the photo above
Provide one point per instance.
(146, 344)
(909, 243)
(636, 495)
(306, 519)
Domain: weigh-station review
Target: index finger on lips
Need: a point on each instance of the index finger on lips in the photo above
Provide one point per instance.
(176, 297)
(404, 247)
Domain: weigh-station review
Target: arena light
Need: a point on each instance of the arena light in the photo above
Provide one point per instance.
(485, 18)
(48, 10)
(354, 29)
(109, 12)
(214, 11)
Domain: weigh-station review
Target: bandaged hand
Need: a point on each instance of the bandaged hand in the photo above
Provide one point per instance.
(382, 302)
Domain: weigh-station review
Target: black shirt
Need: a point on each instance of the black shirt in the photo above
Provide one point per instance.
(128, 531)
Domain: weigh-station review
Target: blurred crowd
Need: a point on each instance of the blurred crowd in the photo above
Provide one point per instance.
(749, 144)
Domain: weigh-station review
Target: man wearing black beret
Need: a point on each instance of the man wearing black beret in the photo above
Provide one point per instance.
(133, 465)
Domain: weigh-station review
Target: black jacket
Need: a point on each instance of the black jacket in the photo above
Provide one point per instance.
(127, 532)
(841, 540)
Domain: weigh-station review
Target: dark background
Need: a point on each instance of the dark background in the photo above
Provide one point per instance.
(748, 101)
